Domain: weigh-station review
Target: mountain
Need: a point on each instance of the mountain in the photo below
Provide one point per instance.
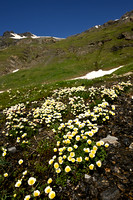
(11, 34)
(100, 47)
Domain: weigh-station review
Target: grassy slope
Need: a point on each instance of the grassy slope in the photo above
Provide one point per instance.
(76, 60)
(36, 90)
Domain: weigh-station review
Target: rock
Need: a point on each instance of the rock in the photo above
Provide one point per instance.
(110, 139)
(74, 196)
(110, 194)
(12, 149)
(82, 187)
(7, 34)
(116, 48)
(127, 17)
(116, 170)
(131, 178)
(120, 36)
(121, 187)
(126, 36)
(102, 183)
(126, 142)
(110, 22)
(131, 146)
(27, 34)
(93, 191)
(87, 178)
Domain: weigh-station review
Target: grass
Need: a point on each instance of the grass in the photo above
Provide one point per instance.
(39, 88)
(125, 69)
(65, 70)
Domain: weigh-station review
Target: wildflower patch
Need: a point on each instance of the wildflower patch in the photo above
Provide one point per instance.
(74, 116)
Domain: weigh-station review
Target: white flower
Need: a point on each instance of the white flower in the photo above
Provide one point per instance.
(18, 183)
(27, 197)
(56, 165)
(48, 189)
(31, 181)
(67, 169)
(20, 161)
(49, 180)
(51, 161)
(25, 172)
(5, 174)
(99, 163)
(51, 195)
(36, 193)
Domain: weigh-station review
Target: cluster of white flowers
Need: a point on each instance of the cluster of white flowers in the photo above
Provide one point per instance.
(4, 151)
(76, 144)
(62, 93)
(49, 111)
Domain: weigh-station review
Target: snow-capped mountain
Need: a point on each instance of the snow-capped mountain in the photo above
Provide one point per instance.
(18, 36)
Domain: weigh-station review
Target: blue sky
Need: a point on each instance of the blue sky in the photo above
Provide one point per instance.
(60, 18)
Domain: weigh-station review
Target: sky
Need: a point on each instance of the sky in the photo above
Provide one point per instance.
(59, 18)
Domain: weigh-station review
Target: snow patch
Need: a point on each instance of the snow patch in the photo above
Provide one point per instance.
(35, 36)
(97, 74)
(125, 18)
(16, 36)
(1, 92)
(97, 26)
(16, 70)
(57, 38)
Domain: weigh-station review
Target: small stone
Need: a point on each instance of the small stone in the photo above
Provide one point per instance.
(12, 149)
(121, 187)
(102, 183)
(113, 162)
(126, 142)
(82, 187)
(131, 178)
(131, 146)
(116, 169)
(110, 139)
(110, 194)
(120, 176)
(107, 170)
(87, 177)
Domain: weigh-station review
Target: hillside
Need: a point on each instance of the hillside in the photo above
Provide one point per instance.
(72, 143)
(49, 59)
(66, 139)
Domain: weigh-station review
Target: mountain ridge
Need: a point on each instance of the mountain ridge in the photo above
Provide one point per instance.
(127, 17)
(13, 35)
